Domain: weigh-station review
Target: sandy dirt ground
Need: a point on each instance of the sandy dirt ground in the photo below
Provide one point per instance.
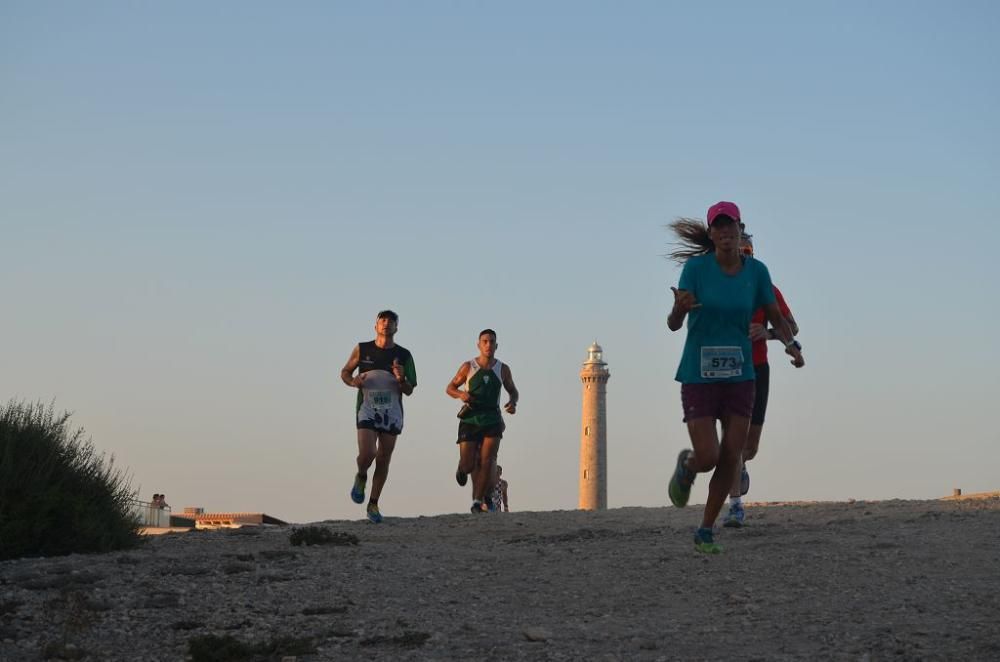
(846, 581)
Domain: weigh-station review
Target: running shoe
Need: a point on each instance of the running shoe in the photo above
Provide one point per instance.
(734, 519)
(478, 507)
(744, 481)
(704, 542)
(461, 477)
(374, 516)
(679, 489)
(358, 491)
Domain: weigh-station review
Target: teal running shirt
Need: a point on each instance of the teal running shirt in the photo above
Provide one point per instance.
(717, 348)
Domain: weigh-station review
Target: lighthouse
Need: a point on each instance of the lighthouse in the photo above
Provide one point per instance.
(594, 431)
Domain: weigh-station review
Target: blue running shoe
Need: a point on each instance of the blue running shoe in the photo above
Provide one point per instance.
(734, 519)
(358, 491)
(744, 480)
(704, 541)
(679, 489)
(374, 516)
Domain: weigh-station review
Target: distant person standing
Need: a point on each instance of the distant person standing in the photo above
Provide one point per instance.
(385, 374)
(153, 514)
(759, 335)
(481, 425)
(718, 292)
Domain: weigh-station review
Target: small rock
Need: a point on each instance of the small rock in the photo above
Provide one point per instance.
(536, 634)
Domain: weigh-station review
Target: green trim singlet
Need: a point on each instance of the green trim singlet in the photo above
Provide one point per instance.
(484, 385)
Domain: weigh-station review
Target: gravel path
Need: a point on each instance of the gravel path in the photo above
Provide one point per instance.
(850, 581)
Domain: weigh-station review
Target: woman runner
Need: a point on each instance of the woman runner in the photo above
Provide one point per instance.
(719, 289)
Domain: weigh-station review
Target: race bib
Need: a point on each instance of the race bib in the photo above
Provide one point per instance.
(380, 399)
(721, 362)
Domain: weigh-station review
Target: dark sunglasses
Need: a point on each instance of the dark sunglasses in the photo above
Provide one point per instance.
(723, 220)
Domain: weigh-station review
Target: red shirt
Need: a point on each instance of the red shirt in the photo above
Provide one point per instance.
(760, 346)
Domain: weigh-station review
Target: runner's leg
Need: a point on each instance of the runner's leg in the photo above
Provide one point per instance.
(733, 440)
(762, 388)
(467, 451)
(487, 466)
(386, 444)
(753, 442)
(366, 450)
(476, 462)
(705, 441)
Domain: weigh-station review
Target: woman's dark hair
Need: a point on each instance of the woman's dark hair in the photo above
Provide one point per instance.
(692, 240)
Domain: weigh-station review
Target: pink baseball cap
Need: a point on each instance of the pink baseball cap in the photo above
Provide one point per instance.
(723, 209)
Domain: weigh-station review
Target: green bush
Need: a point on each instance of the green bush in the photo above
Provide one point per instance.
(58, 495)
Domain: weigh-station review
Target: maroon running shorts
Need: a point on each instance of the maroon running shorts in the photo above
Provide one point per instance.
(717, 400)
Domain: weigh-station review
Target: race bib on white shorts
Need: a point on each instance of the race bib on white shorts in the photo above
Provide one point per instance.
(381, 405)
(721, 362)
(380, 400)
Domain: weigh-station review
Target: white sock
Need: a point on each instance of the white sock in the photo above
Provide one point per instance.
(735, 501)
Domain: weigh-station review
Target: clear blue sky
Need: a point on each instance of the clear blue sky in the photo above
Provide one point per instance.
(203, 205)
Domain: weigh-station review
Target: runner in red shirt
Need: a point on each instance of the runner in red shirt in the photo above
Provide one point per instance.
(760, 335)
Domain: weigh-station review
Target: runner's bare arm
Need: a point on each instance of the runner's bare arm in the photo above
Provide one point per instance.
(453, 386)
(784, 332)
(508, 384)
(397, 370)
(347, 372)
(782, 329)
(684, 301)
(760, 332)
(771, 335)
(792, 323)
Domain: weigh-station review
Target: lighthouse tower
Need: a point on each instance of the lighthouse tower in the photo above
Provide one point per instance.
(594, 432)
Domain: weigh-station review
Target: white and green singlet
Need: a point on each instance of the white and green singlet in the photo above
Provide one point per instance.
(484, 385)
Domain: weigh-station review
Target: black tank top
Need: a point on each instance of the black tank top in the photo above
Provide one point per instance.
(373, 357)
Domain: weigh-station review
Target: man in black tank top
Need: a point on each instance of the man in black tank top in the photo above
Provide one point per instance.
(385, 374)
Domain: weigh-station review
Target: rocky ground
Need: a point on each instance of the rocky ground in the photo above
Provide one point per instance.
(851, 581)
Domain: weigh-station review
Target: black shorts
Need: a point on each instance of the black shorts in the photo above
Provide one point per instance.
(476, 433)
(379, 427)
(763, 382)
